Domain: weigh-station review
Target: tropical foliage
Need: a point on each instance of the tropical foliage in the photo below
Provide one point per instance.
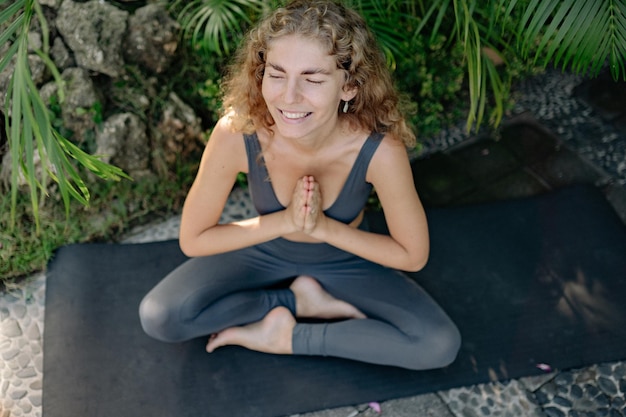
(32, 137)
(217, 25)
(444, 44)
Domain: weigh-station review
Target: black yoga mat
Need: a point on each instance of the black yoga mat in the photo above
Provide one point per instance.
(534, 281)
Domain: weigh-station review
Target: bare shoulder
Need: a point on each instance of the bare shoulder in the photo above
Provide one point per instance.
(224, 132)
(226, 145)
(390, 157)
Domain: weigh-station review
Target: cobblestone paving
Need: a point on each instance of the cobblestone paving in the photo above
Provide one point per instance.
(21, 354)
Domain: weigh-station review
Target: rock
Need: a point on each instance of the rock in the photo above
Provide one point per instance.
(19, 311)
(576, 391)
(61, 55)
(80, 104)
(591, 390)
(607, 386)
(4, 387)
(152, 38)
(53, 4)
(179, 131)
(122, 140)
(35, 400)
(18, 394)
(94, 31)
(10, 328)
(34, 41)
(553, 412)
(33, 332)
(562, 401)
(27, 372)
(10, 354)
(38, 69)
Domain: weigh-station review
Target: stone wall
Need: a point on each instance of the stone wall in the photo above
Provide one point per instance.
(99, 49)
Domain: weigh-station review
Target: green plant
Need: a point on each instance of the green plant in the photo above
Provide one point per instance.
(115, 209)
(577, 34)
(28, 121)
(217, 25)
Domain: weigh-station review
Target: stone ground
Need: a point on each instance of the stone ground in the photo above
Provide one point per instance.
(563, 130)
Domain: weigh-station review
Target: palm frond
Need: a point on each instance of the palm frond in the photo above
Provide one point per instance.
(32, 136)
(383, 19)
(440, 7)
(579, 34)
(12, 9)
(217, 25)
(11, 31)
(472, 41)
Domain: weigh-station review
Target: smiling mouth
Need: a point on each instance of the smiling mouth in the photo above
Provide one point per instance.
(294, 115)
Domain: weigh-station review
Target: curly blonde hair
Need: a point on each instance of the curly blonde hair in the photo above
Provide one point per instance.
(343, 32)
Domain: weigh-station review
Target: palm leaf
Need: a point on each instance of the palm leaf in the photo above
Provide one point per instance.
(383, 19)
(217, 25)
(581, 34)
(469, 34)
(470, 31)
(5, 14)
(537, 14)
(6, 60)
(441, 8)
(30, 131)
(10, 31)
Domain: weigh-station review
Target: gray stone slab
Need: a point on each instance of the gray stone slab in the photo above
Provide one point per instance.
(427, 405)
(616, 194)
(334, 412)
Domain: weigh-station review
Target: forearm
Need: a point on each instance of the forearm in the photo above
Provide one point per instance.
(378, 248)
(232, 236)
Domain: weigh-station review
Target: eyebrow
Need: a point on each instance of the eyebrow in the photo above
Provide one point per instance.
(310, 71)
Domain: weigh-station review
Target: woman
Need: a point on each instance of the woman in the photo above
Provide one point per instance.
(312, 117)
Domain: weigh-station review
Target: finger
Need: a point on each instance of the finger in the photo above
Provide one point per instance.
(315, 197)
(315, 210)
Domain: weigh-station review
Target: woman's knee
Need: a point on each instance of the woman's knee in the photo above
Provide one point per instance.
(434, 349)
(446, 343)
(157, 321)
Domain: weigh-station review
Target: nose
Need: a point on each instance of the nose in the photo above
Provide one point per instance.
(291, 93)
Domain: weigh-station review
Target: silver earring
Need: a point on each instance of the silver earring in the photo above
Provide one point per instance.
(345, 107)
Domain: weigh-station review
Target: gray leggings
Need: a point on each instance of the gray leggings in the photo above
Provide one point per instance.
(404, 326)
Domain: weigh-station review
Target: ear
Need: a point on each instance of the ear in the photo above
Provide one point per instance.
(349, 93)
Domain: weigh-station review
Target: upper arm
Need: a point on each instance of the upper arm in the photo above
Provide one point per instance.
(223, 158)
(390, 173)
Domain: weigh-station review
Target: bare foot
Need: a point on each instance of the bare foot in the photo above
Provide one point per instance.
(313, 301)
(270, 335)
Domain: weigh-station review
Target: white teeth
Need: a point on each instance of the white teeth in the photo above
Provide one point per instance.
(294, 115)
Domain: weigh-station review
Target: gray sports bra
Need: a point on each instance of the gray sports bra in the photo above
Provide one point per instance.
(351, 199)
